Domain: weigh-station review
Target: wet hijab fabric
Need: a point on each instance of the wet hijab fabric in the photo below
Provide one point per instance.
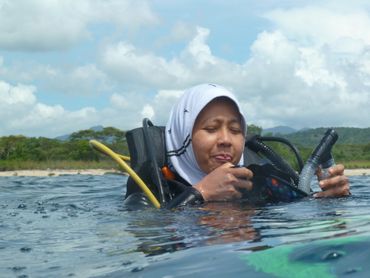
(180, 126)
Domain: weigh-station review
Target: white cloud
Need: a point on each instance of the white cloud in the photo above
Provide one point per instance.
(284, 81)
(199, 50)
(33, 25)
(302, 86)
(343, 29)
(182, 31)
(147, 111)
(82, 80)
(162, 103)
(85, 79)
(20, 95)
(132, 67)
(311, 68)
(119, 101)
(21, 113)
(138, 68)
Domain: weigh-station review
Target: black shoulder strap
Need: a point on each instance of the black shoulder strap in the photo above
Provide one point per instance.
(141, 162)
(137, 145)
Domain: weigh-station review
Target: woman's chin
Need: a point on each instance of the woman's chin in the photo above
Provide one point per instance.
(215, 165)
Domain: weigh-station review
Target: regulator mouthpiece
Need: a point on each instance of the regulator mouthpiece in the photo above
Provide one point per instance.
(321, 155)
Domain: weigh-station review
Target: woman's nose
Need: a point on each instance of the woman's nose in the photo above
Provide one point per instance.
(224, 136)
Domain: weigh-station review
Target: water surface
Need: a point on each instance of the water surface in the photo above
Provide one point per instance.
(76, 226)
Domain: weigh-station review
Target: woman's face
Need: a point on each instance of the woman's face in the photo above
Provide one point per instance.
(218, 136)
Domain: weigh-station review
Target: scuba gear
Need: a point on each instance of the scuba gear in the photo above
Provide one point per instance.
(274, 179)
(189, 196)
(256, 144)
(147, 152)
(274, 183)
(282, 182)
(152, 158)
(120, 159)
(320, 156)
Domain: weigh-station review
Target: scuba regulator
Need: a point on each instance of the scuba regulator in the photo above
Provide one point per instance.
(278, 179)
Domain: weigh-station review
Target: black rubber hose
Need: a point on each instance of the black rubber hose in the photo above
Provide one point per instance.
(257, 145)
(290, 145)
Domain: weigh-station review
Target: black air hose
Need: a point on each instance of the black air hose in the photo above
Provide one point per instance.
(257, 146)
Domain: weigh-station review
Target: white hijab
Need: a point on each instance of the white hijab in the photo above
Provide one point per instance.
(180, 126)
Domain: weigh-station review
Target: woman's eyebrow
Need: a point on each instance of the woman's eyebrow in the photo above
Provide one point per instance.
(218, 120)
(209, 121)
(236, 120)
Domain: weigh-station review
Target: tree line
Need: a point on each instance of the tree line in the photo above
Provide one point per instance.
(19, 149)
(76, 148)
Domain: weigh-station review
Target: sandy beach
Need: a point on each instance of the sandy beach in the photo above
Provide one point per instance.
(98, 172)
(357, 172)
(58, 172)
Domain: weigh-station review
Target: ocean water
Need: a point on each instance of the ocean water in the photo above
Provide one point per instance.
(76, 226)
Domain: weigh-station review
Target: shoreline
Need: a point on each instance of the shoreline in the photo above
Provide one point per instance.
(357, 172)
(100, 172)
(59, 172)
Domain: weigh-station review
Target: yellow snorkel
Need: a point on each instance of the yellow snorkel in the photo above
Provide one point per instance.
(120, 159)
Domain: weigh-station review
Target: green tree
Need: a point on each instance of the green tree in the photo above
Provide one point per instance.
(253, 129)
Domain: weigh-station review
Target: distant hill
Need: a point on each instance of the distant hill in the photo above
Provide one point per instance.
(97, 128)
(279, 130)
(347, 135)
(108, 135)
(67, 137)
(307, 137)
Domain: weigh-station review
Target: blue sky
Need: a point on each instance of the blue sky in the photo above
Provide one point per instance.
(69, 65)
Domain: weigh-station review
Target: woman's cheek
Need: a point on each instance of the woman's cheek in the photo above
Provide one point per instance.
(239, 147)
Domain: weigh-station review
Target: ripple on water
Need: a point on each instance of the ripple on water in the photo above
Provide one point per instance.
(76, 226)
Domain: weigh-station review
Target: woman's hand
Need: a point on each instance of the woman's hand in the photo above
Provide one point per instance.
(336, 185)
(224, 183)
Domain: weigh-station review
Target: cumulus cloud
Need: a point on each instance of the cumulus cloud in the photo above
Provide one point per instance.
(315, 79)
(284, 81)
(132, 67)
(21, 95)
(162, 103)
(80, 80)
(341, 30)
(136, 67)
(32, 25)
(182, 31)
(22, 113)
(304, 71)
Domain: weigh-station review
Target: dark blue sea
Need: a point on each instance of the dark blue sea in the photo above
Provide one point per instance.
(76, 226)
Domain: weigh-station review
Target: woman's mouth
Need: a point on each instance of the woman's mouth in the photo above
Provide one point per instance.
(223, 158)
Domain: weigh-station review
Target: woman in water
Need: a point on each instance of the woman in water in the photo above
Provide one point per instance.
(205, 138)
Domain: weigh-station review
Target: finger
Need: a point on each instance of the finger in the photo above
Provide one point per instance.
(244, 184)
(334, 192)
(227, 165)
(333, 182)
(334, 187)
(242, 173)
(231, 193)
(337, 170)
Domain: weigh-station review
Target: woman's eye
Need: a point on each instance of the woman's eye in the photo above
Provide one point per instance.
(210, 128)
(235, 130)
